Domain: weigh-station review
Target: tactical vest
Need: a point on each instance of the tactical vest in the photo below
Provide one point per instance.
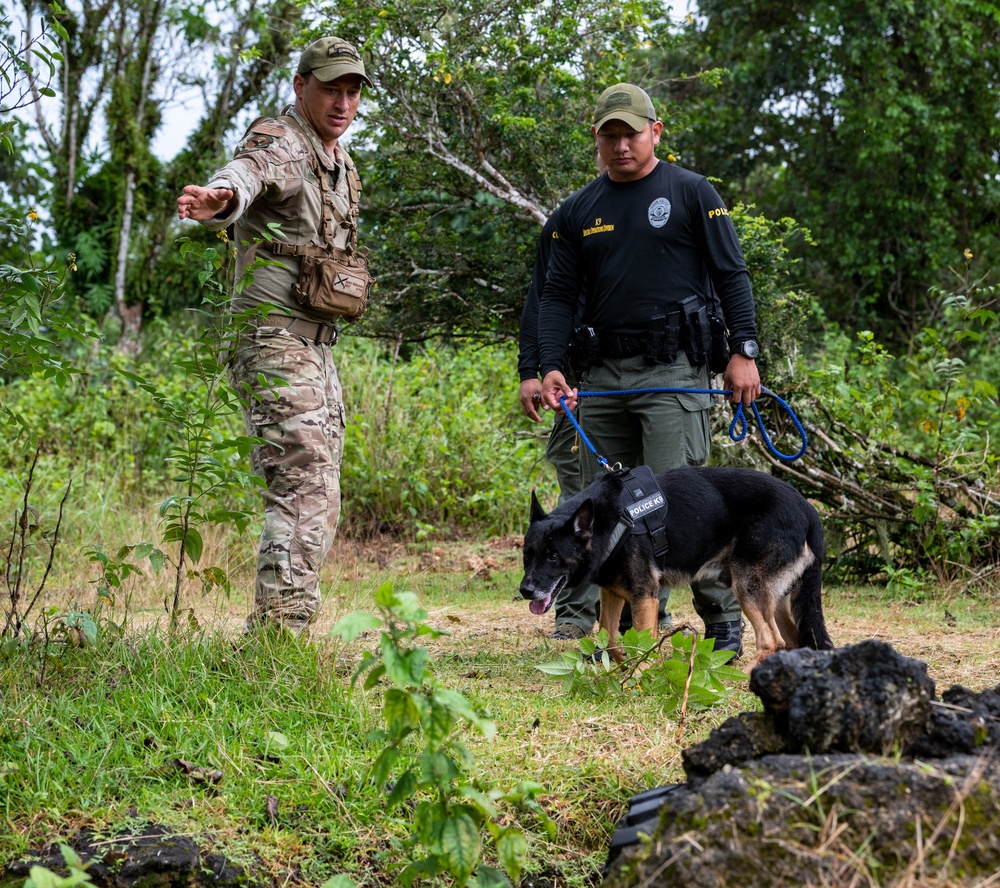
(325, 248)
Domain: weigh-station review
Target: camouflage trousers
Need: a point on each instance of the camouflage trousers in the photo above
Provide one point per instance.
(292, 400)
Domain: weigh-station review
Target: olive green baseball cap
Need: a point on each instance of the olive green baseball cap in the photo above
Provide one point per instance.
(624, 102)
(331, 57)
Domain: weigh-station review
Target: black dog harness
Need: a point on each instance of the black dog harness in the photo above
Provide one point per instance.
(644, 511)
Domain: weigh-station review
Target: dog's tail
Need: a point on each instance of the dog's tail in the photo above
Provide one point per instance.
(807, 602)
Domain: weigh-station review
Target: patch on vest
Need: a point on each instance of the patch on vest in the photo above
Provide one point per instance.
(269, 129)
(257, 141)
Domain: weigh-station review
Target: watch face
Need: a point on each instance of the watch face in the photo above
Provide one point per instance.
(749, 349)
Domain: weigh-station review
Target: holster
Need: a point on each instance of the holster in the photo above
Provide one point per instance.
(697, 332)
(584, 351)
(718, 358)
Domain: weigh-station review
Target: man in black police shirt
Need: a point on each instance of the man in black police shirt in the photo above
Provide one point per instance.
(647, 242)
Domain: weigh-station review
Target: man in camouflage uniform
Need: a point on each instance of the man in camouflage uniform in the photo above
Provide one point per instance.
(291, 170)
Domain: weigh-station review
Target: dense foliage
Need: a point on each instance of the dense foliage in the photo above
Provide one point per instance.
(875, 123)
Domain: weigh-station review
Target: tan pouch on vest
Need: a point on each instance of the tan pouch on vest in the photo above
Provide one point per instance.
(334, 288)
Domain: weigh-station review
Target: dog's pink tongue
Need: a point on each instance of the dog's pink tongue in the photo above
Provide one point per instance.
(539, 607)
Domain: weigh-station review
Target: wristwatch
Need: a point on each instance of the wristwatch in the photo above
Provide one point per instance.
(748, 348)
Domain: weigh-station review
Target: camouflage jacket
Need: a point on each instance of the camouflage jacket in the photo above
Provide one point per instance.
(274, 176)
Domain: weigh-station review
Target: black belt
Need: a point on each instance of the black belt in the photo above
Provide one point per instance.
(623, 345)
(318, 332)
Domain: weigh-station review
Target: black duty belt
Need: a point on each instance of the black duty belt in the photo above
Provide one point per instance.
(623, 345)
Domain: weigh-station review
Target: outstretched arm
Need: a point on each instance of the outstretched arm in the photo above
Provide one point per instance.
(201, 204)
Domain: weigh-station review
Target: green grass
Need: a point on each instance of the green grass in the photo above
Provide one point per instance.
(106, 736)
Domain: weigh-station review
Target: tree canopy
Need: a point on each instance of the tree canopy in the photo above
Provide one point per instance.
(875, 124)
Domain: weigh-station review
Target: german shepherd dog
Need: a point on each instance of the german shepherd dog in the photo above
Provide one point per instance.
(759, 533)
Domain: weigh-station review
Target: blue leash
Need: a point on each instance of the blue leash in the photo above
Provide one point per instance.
(738, 428)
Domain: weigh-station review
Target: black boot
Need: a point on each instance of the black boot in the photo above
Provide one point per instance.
(728, 636)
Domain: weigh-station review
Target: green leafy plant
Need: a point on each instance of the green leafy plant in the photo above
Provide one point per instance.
(28, 65)
(686, 673)
(209, 467)
(117, 573)
(904, 453)
(424, 762)
(34, 326)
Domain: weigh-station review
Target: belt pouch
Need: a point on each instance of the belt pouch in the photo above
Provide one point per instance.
(333, 288)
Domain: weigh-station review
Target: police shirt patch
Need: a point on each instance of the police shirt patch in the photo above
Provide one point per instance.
(659, 212)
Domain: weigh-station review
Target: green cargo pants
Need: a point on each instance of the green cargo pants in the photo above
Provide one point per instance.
(662, 431)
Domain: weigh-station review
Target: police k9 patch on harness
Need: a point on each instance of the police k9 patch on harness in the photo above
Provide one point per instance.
(645, 506)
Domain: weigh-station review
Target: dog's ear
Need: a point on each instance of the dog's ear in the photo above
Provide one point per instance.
(537, 512)
(583, 520)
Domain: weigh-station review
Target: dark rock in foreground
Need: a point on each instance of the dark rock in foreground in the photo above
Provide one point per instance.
(854, 774)
(150, 858)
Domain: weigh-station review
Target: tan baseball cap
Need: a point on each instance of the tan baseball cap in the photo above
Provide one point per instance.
(624, 102)
(331, 57)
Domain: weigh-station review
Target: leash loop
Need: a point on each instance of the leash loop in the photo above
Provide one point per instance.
(738, 428)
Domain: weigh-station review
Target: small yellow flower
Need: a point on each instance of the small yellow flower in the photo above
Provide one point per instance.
(32, 215)
(447, 77)
(672, 158)
(967, 253)
(71, 261)
(222, 236)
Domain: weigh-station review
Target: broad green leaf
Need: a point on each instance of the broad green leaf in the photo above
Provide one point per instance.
(484, 804)
(401, 711)
(512, 851)
(461, 844)
(437, 768)
(275, 742)
(556, 668)
(385, 596)
(383, 765)
(404, 787)
(490, 877)
(193, 544)
(460, 706)
(437, 722)
(339, 881)
(350, 627)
